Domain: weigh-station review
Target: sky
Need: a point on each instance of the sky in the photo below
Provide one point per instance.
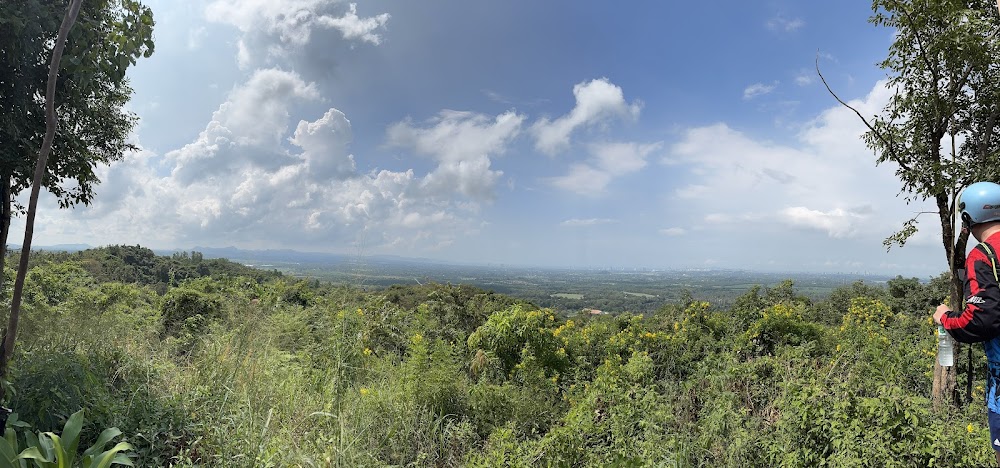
(646, 134)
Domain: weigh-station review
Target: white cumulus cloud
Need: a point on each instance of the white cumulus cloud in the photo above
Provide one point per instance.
(251, 179)
(607, 161)
(824, 180)
(463, 144)
(597, 101)
(247, 128)
(837, 222)
(275, 29)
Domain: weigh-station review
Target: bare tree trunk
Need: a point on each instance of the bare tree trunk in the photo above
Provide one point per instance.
(43, 155)
(5, 209)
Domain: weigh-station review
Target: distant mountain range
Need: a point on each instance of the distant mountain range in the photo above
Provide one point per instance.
(263, 256)
(293, 258)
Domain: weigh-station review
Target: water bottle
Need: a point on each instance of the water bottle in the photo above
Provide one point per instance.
(946, 349)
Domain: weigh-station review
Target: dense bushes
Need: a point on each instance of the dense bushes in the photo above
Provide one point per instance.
(229, 370)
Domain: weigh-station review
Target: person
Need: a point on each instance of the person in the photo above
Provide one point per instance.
(980, 320)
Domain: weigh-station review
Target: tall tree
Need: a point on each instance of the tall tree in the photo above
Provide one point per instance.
(939, 126)
(90, 89)
(91, 92)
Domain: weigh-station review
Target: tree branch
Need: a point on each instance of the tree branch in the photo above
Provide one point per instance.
(888, 144)
(987, 138)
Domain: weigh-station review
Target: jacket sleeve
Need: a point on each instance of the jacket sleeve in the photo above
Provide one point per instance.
(980, 320)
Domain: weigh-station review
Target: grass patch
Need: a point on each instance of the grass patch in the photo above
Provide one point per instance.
(648, 296)
(568, 296)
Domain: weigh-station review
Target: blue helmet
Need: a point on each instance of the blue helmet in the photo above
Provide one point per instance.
(980, 203)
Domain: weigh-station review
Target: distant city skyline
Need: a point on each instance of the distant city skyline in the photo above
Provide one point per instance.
(563, 134)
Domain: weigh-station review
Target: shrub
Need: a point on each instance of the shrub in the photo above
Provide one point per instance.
(188, 311)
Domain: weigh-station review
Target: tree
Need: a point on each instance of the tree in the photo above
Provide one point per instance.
(90, 90)
(939, 126)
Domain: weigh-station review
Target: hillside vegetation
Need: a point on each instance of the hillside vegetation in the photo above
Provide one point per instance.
(209, 363)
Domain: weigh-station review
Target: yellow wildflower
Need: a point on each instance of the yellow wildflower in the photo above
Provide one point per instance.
(364, 391)
(970, 428)
(368, 352)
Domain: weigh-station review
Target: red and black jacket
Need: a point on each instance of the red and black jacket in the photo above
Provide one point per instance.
(980, 321)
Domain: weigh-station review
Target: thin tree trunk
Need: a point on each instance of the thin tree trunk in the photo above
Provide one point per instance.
(7, 350)
(5, 208)
(944, 387)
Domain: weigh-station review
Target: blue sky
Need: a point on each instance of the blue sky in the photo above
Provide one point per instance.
(559, 133)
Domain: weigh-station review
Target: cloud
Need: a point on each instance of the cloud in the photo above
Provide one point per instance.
(586, 222)
(607, 161)
(293, 21)
(325, 146)
(463, 145)
(354, 27)
(823, 180)
(597, 101)
(279, 31)
(837, 222)
(805, 78)
(251, 179)
(758, 89)
(673, 232)
(783, 24)
(247, 128)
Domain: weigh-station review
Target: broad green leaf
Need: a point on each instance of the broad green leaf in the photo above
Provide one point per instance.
(122, 459)
(60, 453)
(44, 444)
(105, 459)
(31, 441)
(106, 436)
(71, 436)
(8, 453)
(32, 453)
(15, 421)
(11, 438)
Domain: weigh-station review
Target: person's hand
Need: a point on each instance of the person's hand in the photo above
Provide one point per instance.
(941, 309)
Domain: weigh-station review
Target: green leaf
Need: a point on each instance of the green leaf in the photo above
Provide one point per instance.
(60, 453)
(122, 459)
(71, 436)
(106, 436)
(105, 459)
(7, 453)
(32, 453)
(44, 444)
(14, 421)
(30, 440)
(11, 437)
